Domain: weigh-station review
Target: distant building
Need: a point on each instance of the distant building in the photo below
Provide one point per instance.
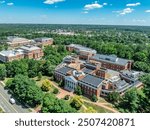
(83, 52)
(28, 51)
(10, 55)
(112, 62)
(43, 41)
(32, 52)
(14, 41)
(107, 61)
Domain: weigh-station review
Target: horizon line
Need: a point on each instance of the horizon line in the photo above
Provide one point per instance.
(75, 24)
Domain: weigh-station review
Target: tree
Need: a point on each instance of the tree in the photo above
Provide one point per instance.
(2, 71)
(78, 90)
(52, 104)
(141, 66)
(114, 97)
(76, 103)
(56, 91)
(94, 98)
(67, 97)
(46, 85)
(146, 80)
(140, 56)
(17, 67)
(48, 68)
(39, 76)
(90, 110)
(34, 67)
(130, 101)
(25, 90)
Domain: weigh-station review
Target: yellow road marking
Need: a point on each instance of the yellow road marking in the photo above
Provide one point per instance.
(8, 103)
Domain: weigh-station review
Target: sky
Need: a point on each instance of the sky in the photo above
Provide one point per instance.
(103, 12)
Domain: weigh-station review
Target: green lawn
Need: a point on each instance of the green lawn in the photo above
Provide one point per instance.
(97, 108)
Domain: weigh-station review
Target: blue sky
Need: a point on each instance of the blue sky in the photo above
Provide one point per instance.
(109, 12)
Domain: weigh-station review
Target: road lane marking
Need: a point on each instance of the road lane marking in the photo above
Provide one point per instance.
(8, 103)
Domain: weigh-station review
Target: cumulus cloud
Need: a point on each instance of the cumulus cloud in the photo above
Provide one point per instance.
(124, 11)
(50, 2)
(95, 5)
(133, 4)
(10, 4)
(147, 11)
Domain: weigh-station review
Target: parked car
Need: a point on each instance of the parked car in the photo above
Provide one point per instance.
(12, 101)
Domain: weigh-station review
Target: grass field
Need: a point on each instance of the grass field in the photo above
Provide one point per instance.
(97, 108)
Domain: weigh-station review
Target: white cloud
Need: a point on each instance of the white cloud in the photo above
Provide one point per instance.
(10, 4)
(134, 4)
(124, 11)
(50, 2)
(92, 6)
(85, 12)
(147, 11)
(2, 2)
(105, 4)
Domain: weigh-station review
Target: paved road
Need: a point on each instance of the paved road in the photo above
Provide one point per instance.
(8, 107)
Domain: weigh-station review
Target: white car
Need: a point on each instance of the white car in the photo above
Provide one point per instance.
(12, 101)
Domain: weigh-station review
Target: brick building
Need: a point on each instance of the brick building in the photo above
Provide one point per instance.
(91, 85)
(44, 41)
(83, 52)
(32, 52)
(14, 41)
(112, 62)
(92, 77)
(28, 51)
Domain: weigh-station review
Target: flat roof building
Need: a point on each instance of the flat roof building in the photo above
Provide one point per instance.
(14, 41)
(28, 51)
(43, 41)
(112, 62)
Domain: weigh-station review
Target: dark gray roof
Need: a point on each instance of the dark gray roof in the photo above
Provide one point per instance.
(121, 84)
(87, 71)
(131, 74)
(63, 70)
(110, 59)
(92, 80)
(89, 65)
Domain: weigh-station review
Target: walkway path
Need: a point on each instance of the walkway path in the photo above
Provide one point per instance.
(102, 105)
(63, 93)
